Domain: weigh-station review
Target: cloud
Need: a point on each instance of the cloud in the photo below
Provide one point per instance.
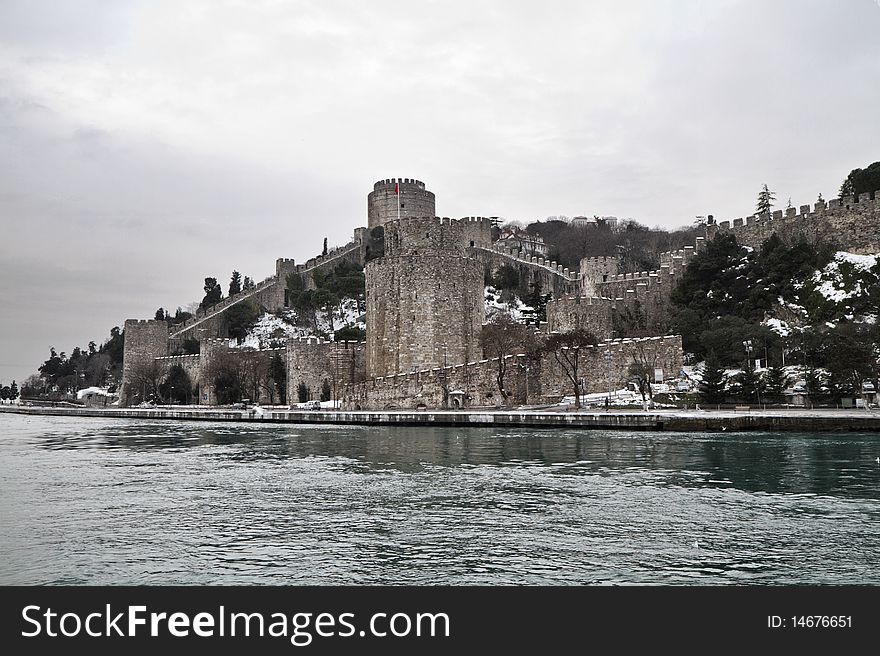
(146, 145)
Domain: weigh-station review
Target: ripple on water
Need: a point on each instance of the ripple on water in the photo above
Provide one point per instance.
(141, 502)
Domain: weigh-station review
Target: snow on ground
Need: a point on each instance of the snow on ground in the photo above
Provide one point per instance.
(778, 326)
(621, 397)
(860, 262)
(345, 314)
(517, 309)
(100, 391)
(830, 282)
(273, 330)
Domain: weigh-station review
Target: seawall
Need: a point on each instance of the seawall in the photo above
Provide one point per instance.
(820, 421)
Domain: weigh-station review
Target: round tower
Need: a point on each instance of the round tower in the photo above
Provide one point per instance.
(425, 304)
(382, 202)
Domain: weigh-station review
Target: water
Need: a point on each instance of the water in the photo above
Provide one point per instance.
(93, 501)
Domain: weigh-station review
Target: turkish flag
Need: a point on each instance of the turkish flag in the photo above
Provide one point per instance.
(396, 189)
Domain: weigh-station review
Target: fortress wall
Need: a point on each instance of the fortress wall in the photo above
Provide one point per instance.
(476, 231)
(474, 385)
(312, 360)
(424, 298)
(269, 293)
(471, 384)
(550, 277)
(852, 223)
(601, 374)
(576, 312)
(144, 340)
(423, 310)
(382, 202)
(191, 364)
(595, 270)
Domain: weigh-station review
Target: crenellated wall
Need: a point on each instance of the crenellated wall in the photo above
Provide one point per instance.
(589, 313)
(269, 293)
(312, 360)
(551, 277)
(382, 202)
(424, 297)
(473, 384)
(852, 223)
(143, 341)
(605, 367)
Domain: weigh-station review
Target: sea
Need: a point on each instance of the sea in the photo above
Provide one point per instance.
(147, 502)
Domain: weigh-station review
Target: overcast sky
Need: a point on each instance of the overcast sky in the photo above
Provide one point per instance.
(146, 145)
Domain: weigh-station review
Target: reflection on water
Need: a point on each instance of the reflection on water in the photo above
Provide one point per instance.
(95, 501)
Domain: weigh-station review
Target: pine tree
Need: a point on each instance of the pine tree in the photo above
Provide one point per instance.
(750, 383)
(247, 284)
(324, 252)
(213, 292)
(326, 392)
(820, 199)
(160, 314)
(713, 387)
(775, 381)
(788, 206)
(235, 284)
(765, 200)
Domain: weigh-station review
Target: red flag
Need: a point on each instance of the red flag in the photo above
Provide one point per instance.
(396, 189)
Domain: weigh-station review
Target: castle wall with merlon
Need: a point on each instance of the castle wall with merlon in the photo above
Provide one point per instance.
(589, 313)
(312, 360)
(853, 223)
(424, 298)
(414, 200)
(473, 384)
(534, 271)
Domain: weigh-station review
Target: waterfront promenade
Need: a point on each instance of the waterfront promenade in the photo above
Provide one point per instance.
(783, 419)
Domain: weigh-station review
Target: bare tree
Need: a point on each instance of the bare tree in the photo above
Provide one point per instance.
(146, 379)
(641, 371)
(503, 336)
(568, 350)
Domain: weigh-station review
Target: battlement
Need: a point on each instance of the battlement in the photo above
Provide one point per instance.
(187, 357)
(852, 221)
(390, 182)
(144, 322)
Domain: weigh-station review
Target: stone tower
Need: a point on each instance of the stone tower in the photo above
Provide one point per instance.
(415, 201)
(144, 341)
(425, 304)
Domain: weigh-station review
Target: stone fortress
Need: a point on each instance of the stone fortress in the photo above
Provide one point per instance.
(425, 310)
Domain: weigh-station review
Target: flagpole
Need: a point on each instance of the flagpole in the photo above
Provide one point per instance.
(397, 190)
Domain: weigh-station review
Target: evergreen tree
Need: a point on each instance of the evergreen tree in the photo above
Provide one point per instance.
(13, 391)
(278, 374)
(774, 382)
(160, 315)
(177, 386)
(324, 251)
(213, 293)
(235, 284)
(765, 200)
(713, 387)
(302, 392)
(247, 284)
(788, 205)
(326, 392)
(240, 318)
(860, 181)
(820, 199)
(749, 383)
